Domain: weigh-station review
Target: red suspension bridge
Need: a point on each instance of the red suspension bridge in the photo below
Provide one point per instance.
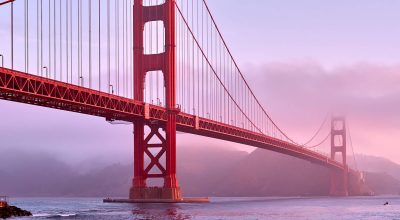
(162, 65)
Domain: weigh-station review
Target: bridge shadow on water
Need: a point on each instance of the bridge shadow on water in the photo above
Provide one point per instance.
(231, 207)
(159, 211)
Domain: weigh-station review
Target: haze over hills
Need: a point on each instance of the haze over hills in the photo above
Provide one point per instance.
(201, 172)
(377, 164)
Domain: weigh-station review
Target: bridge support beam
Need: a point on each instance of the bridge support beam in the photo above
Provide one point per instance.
(339, 178)
(160, 163)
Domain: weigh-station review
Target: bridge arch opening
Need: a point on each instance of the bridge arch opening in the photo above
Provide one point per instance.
(154, 37)
(153, 2)
(338, 141)
(338, 125)
(154, 90)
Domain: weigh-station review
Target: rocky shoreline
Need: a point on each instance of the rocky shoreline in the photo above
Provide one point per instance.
(13, 211)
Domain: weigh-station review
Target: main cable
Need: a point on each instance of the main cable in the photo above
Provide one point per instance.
(317, 132)
(320, 143)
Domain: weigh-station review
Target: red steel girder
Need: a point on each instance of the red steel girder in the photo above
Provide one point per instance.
(35, 90)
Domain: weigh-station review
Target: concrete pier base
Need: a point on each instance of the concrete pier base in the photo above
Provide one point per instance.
(156, 193)
(184, 200)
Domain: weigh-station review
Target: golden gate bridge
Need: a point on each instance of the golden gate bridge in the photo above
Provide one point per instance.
(162, 65)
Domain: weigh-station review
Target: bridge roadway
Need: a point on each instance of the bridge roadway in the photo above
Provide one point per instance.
(35, 90)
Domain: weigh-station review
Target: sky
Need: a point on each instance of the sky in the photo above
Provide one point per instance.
(331, 32)
(304, 59)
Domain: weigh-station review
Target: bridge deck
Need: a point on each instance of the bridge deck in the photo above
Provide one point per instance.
(35, 90)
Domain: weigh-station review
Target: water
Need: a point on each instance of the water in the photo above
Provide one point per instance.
(220, 208)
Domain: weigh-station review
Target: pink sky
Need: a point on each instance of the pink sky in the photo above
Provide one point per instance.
(300, 94)
(304, 59)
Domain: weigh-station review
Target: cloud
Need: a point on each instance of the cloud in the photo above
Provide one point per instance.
(299, 94)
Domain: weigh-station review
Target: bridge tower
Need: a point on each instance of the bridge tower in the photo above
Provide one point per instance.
(163, 163)
(339, 178)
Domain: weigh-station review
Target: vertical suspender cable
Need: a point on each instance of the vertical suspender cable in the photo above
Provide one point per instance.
(123, 47)
(193, 70)
(26, 35)
(164, 87)
(126, 48)
(12, 35)
(108, 47)
(67, 37)
(90, 43)
(115, 45)
(49, 39)
(117, 40)
(150, 51)
(41, 37)
(37, 37)
(61, 47)
(220, 86)
(208, 75)
(157, 75)
(55, 37)
(202, 59)
(198, 61)
(189, 63)
(71, 39)
(99, 46)
(79, 42)
(131, 46)
(212, 78)
(181, 61)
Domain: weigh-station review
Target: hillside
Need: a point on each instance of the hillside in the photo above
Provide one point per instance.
(377, 164)
(266, 173)
(201, 172)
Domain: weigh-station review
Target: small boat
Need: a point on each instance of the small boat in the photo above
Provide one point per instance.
(3, 201)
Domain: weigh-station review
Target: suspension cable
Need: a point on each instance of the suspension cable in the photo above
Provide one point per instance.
(320, 143)
(216, 75)
(244, 80)
(317, 132)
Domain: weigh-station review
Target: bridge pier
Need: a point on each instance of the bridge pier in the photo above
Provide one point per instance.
(339, 182)
(160, 151)
(339, 178)
(159, 146)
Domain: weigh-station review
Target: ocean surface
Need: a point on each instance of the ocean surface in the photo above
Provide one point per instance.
(220, 208)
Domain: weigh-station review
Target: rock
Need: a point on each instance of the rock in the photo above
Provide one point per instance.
(12, 211)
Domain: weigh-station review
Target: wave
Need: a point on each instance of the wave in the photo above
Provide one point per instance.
(48, 215)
